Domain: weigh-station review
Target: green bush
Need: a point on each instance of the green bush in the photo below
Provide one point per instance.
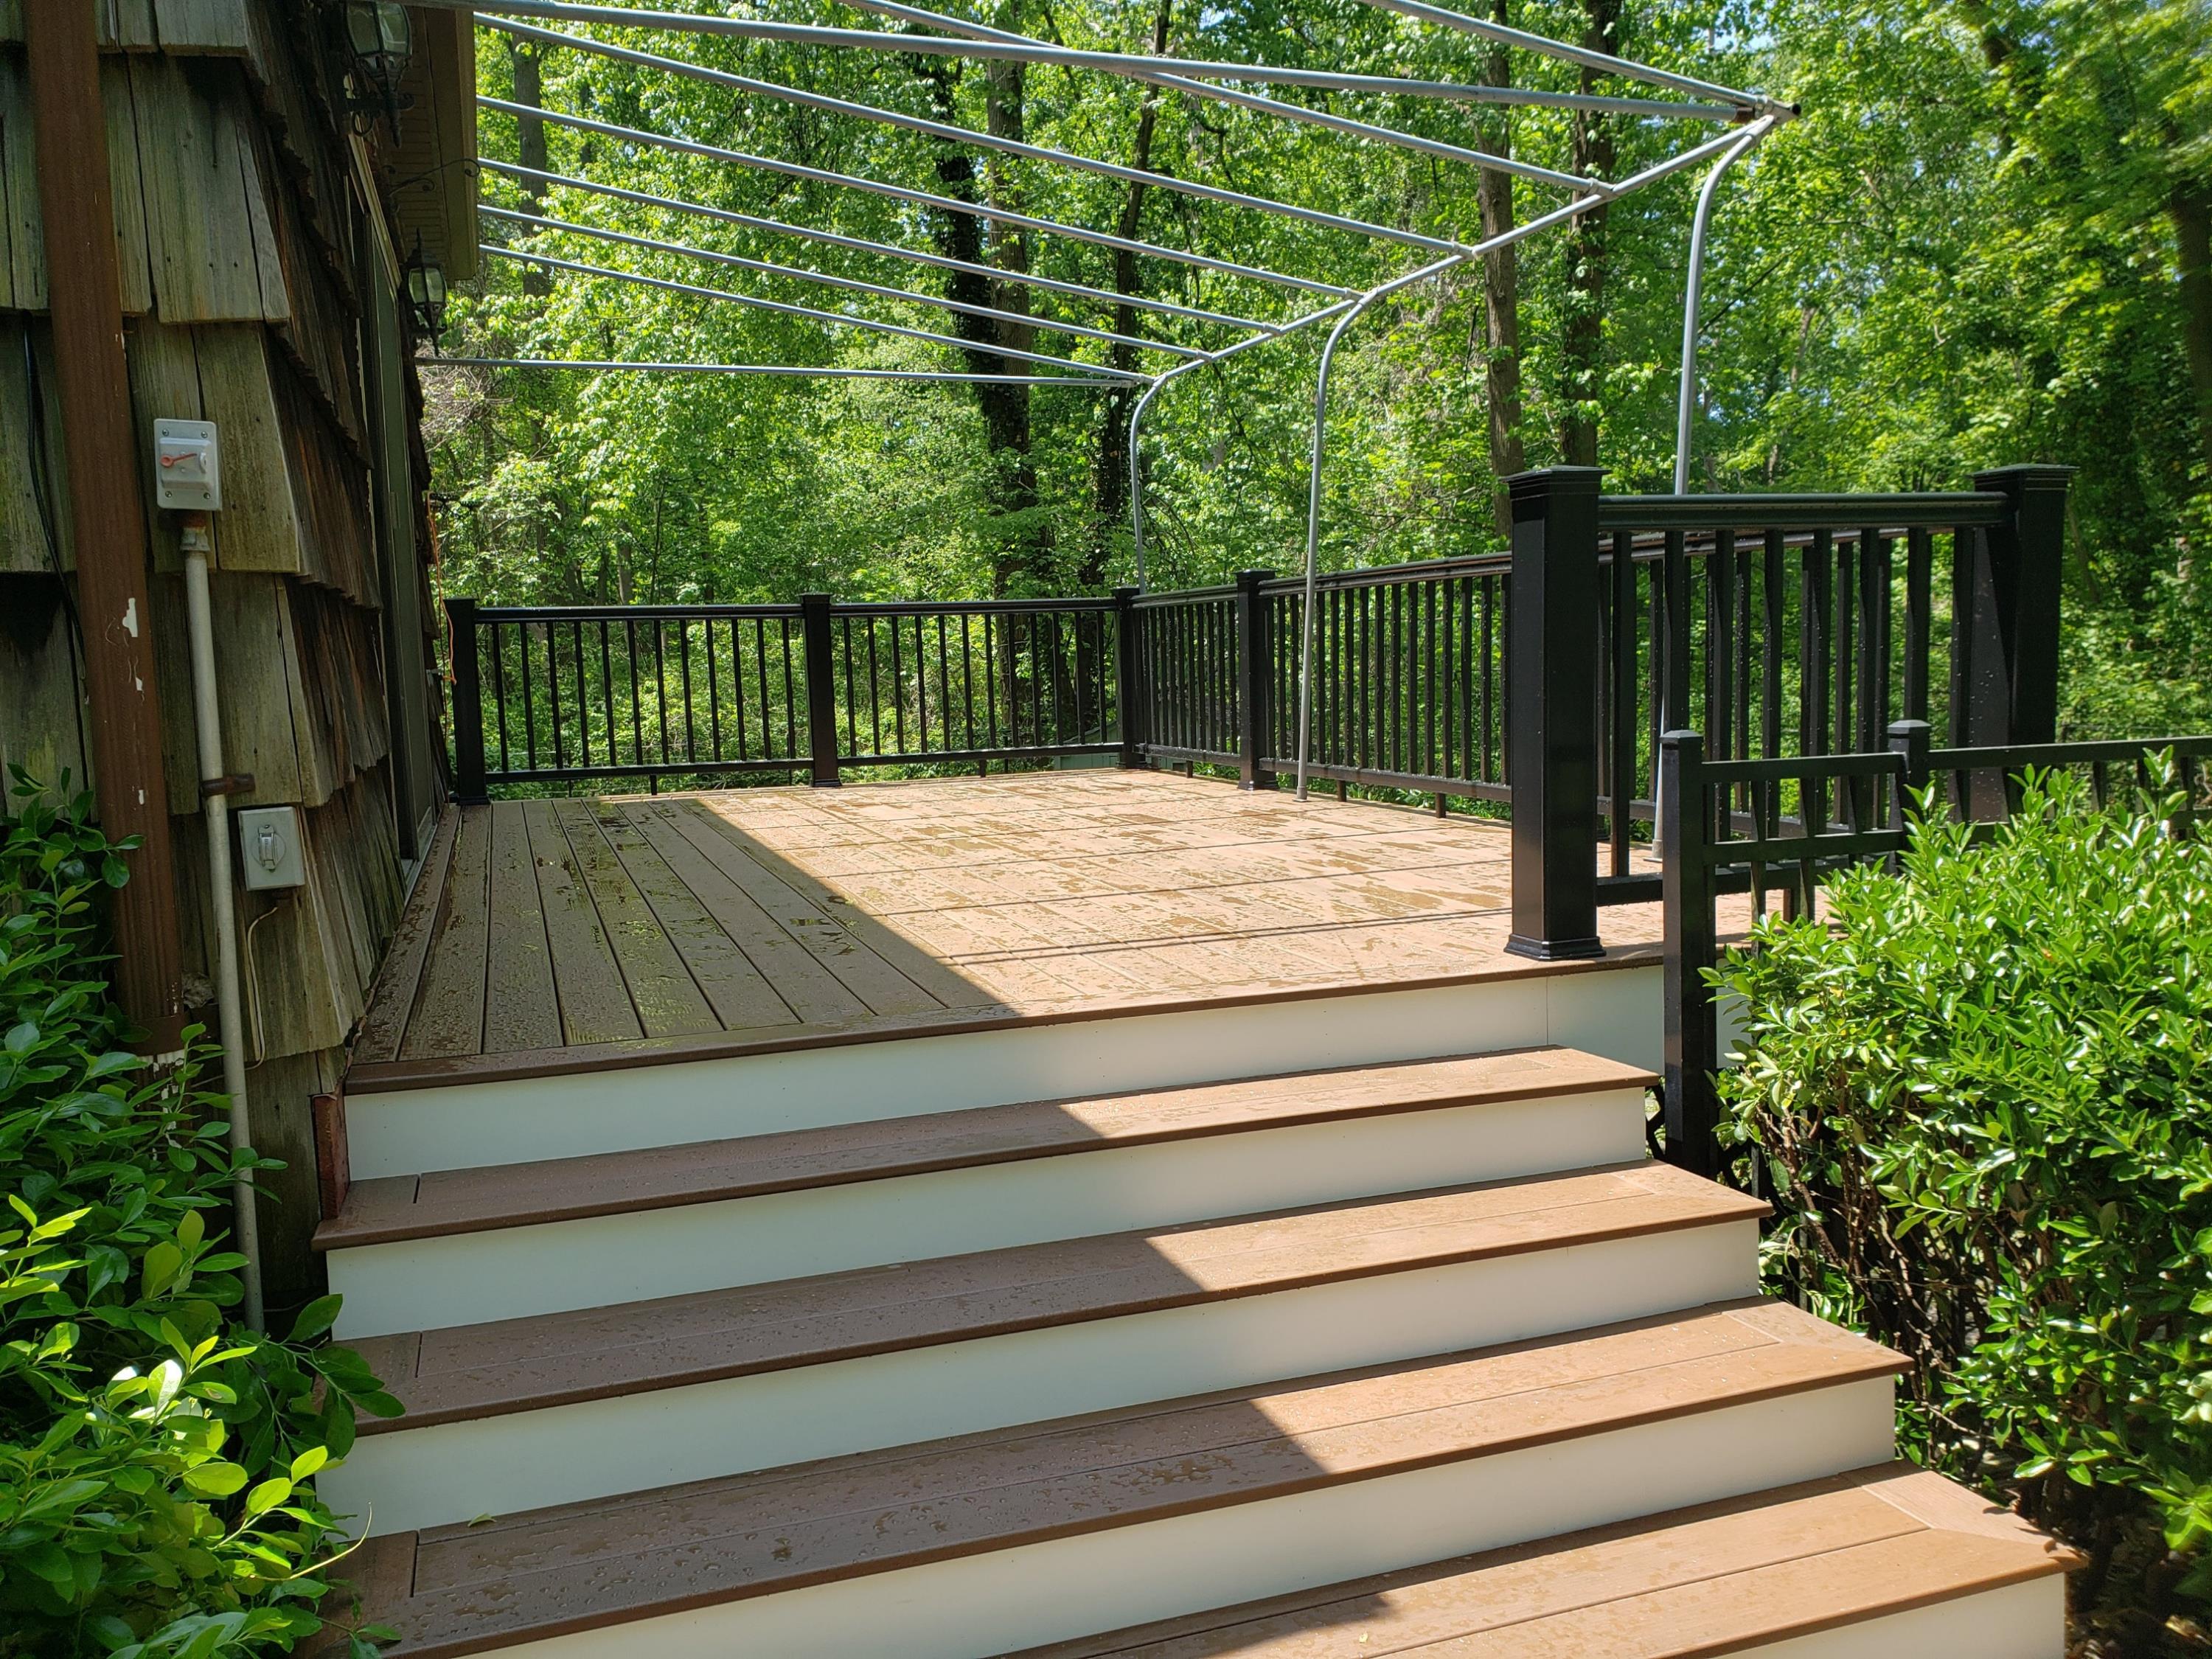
(1982, 1101)
(156, 1462)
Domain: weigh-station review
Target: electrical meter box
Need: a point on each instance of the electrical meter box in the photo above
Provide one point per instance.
(187, 466)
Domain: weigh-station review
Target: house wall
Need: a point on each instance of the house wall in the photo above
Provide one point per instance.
(259, 282)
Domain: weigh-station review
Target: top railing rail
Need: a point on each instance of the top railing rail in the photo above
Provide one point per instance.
(1935, 510)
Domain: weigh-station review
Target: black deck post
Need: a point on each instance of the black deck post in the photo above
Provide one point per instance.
(2004, 652)
(1909, 740)
(1128, 700)
(1693, 1037)
(1255, 668)
(821, 689)
(468, 704)
(1551, 633)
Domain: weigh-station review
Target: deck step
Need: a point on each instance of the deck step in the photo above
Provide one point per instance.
(508, 1241)
(1891, 1563)
(973, 1546)
(522, 1414)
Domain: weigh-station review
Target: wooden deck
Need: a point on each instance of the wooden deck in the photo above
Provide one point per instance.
(558, 935)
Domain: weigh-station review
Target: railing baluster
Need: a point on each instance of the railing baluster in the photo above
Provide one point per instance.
(552, 691)
(990, 684)
(660, 681)
(529, 703)
(1919, 563)
(498, 688)
(1621, 609)
(684, 679)
(607, 691)
(821, 690)
(741, 693)
(1846, 656)
(967, 684)
(1489, 773)
(636, 697)
(1773, 597)
(790, 747)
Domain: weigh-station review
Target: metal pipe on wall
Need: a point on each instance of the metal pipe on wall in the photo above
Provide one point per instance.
(207, 715)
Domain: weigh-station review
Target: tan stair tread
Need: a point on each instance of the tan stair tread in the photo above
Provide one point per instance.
(1713, 1580)
(516, 1579)
(522, 1365)
(395, 1208)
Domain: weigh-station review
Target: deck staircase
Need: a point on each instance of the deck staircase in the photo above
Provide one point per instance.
(1405, 1355)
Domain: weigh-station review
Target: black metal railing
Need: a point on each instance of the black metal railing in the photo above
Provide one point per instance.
(559, 694)
(1409, 689)
(1775, 829)
(1787, 625)
(1538, 681)
(1191, 670)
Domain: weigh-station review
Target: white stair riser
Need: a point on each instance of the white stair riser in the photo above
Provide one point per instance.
(974, 1605)
(471, 1277)
(522, 1460)
(1613, 1012)
(2021, 1621)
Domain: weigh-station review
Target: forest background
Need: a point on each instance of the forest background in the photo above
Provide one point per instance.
(1988, 240)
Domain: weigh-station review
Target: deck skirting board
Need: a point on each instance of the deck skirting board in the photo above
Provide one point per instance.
(1612, 1012)
(971, 1606)
(515, 1272)
(411, 1479)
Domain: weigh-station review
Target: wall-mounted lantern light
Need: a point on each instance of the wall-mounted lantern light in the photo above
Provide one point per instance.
(380, 40)
(426, 293)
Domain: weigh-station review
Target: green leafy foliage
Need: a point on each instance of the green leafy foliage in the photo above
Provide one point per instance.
(156, 1461)
(1982, 1101)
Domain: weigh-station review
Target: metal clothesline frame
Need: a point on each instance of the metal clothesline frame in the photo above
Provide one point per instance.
(908, 193)
(861, 245)
(789, 371)
(829, 279)
(523, 256)
(1273, 106)
(1755, 114)
(1023, 48)
(926, 128)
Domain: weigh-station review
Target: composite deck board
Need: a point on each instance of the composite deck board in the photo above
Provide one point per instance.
(446, 1202)
(595, 1003)
(867, 909)
(1697, 1582)
(942, 981)
(449, 1013)
(510, 1577)
(668, 1000)
(391, 997)
(737, 991)
(810, 991)
(868, 982)
(522, 1010)
(517, 1364)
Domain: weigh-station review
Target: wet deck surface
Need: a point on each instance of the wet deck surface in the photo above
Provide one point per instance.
(575, 930)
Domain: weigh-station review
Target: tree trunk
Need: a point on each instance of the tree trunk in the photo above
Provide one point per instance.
(1110, 478)
(530, 144)
(1026, 545)
(1501, 289)
(1582, 345)
(2191, 205)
